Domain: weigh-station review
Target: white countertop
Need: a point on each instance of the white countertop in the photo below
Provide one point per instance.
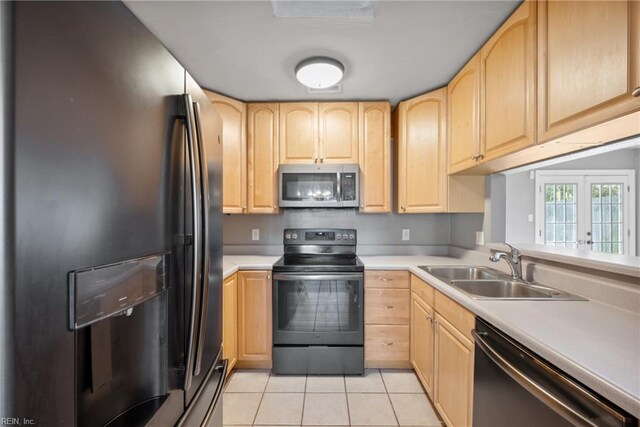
(595, 343)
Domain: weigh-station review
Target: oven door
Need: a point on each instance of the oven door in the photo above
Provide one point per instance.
(318, 309)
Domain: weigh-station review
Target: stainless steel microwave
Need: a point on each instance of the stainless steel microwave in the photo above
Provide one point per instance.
(318, 186)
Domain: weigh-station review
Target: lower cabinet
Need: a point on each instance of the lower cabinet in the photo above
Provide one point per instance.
(386, 317)
(254, 319)
(422, 342)
(454, 374)
(230, 320)
(442, 351)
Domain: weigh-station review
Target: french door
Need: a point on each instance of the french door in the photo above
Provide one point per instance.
(586, 210)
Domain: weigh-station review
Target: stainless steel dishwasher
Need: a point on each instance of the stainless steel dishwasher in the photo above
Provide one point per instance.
(513, 387)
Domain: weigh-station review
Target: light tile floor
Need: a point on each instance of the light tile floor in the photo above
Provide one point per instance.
(379, 398)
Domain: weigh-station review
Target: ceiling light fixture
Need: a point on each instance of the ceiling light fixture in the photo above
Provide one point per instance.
(319, 72)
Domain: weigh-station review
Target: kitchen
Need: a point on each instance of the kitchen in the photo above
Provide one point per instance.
(237, 239)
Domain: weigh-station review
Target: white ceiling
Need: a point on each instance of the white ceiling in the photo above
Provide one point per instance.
(240, 49)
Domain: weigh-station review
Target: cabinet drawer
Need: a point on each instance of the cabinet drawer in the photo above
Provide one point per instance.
(386, 306)
(386, 279)
(386, 343)
(461, 318)
(423, 290)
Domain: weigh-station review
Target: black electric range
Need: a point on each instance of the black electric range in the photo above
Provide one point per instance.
(318, 304)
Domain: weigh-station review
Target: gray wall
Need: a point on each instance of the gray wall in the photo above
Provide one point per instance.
(376, 232)
(520, 191)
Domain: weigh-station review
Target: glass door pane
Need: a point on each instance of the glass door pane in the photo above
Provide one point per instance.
(607, 218)
(561, 215)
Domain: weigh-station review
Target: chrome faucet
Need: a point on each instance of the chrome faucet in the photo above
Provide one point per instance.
(514, 260)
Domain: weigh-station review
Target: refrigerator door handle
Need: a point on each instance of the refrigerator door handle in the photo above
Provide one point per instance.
(196, 212)
(205, 234)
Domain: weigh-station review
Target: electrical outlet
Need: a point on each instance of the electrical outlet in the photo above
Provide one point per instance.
(255, 234)
(406, 234)
(530, 217)
(479, 237)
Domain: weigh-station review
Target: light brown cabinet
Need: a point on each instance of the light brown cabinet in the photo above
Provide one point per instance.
(421, 145)
(375, 156)
(299, 132)
(254, 319)
(262, 164)
(587, 64)
(387, 332)
(423, 341)
(325, 132)
(234, 152)
(464, 117)
(230, 320)
(421, 142)
(507, 70)
(338, 126)
(454, 374)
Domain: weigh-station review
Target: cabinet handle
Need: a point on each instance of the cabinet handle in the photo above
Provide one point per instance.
(429, 318)
(636, 92)
(386, 343)
(480, 156)
(384, 279)
(244, 209)
(402, 208)
(474, 157)
(387, 307)
(268, 276)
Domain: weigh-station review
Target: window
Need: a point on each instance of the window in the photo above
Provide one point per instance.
(586, 210)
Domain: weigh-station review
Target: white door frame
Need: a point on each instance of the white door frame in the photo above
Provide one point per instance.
(627, 176)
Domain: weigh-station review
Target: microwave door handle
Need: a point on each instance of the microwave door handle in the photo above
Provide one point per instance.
(204, 277)
(339, 185)
(195, 207)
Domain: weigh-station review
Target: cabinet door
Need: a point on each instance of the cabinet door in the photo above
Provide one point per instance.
(464, 117)
(586, 57)
(254, 319)
(507, 64)
(299, 132)
(422, 176)
(422, 342)
(234, 152)
(454, 374)
(375, 156)
(230, 320)
(262, 158)
(338, 132)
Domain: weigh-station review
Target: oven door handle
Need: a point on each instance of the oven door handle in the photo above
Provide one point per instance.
(560, 407)
(302, 276)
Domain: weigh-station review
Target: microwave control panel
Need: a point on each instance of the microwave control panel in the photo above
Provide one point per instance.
(348, 186)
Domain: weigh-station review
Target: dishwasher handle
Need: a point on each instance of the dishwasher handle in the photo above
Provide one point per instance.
(562, 408)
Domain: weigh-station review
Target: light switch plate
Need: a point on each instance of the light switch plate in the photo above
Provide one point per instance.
(255, 234)
(479, 237)
(406, 234)
(530, 217)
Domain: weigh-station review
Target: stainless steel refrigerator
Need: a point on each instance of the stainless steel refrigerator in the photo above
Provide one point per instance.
(111, 224)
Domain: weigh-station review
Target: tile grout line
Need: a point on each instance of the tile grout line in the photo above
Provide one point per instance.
(255, 417)
(389, 398)
(346, 396)
(304, 399)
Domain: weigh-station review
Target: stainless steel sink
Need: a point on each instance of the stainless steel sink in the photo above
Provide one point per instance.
(510, 289)
(457, 272)
(486, 283)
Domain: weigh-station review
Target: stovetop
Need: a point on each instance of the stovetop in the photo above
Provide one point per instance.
(327, 250)
(318, 263)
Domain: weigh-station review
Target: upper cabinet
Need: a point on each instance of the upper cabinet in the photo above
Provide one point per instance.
(507, 70)
(325, 132)
(421, 145)
(338, 125)
(464, 117)
(375, 156)
(262, 147)
(587, 64)
(299, 132)
(234, 152)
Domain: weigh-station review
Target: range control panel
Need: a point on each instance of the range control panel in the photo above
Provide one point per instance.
(320, 236)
